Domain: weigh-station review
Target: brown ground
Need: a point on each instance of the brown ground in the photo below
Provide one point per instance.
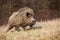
(48, 30)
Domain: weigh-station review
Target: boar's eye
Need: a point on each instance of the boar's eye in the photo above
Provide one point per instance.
(28, 14)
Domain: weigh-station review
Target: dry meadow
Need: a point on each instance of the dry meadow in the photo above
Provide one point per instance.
(43, 30)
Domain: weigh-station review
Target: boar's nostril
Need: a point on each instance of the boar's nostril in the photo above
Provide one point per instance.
(34, 21)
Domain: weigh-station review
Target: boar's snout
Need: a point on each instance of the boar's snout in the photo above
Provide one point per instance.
(33, 22)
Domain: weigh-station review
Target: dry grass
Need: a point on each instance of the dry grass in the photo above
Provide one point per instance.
(49, 30)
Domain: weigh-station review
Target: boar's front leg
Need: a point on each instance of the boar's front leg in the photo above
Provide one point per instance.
(17, 28)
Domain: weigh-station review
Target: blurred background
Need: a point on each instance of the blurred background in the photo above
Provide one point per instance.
(43, 9)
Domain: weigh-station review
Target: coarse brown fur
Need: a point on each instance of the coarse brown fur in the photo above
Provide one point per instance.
(22, 18)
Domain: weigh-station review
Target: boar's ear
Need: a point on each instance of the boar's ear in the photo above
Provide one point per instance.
(27, 14)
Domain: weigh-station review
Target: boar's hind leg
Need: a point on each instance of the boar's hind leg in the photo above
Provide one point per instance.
(9, 28)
